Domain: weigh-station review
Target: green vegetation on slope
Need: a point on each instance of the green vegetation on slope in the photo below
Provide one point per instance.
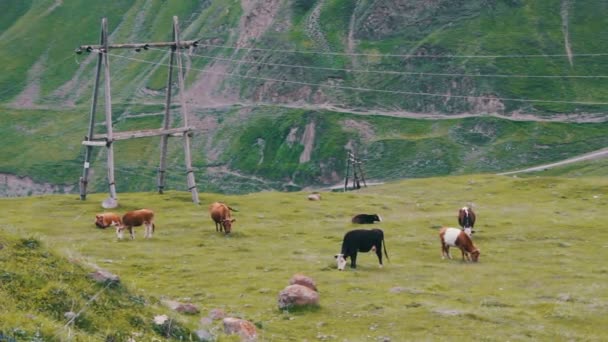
(540, 276)
(268, 145)
(45, 297)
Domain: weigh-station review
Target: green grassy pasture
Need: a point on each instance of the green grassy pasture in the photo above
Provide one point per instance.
(541, 275)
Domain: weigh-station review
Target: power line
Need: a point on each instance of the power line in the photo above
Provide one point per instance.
(397, 92)
(400, 55)
(389, 72)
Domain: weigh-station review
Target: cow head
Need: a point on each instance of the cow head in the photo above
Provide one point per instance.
(99, 221)
(340, 261)
(475, 255)
(227, 224)
(377, 218)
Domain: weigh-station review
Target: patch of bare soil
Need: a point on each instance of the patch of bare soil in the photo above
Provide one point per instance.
(31, 94)
(566, 30)
(258, 16)
(365, 130)
(15, 186)
(308, 140)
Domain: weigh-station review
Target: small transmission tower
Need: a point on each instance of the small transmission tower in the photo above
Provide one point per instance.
(353, 164)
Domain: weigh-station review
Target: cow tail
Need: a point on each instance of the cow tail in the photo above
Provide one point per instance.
(384, 246)
(233, 209)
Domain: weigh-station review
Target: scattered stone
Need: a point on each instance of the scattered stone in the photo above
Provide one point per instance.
(102, 276)
(70, 315)
(109, 203)
(160, 319)
(206, 321)
(216, 314)
(297, 296)
(185, 308)
(303, 280)
(204, 335)
(245, 329)
(188, 308)
(314, 197)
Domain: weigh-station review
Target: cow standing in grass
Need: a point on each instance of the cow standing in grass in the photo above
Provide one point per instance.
(360, 240)
(454, 237)
(137, 218)
(220, 214)
(466, 220)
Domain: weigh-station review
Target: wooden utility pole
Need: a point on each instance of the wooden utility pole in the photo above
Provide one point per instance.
(107, 139)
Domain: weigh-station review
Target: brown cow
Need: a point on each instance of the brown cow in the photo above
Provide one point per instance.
(454, 237)
(137, 218)
(104, 220)
(220, 213)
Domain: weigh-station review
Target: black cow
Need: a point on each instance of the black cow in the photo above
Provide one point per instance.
(360, 240)
(366, 218)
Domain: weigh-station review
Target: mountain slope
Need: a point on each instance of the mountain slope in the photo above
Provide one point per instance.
(271, 86)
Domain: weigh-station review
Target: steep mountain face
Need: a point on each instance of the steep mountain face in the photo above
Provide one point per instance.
(268, 81)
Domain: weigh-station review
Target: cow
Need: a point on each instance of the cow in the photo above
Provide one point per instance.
(360, 240)
(104, 220)
(466, 220)
(137, 218)
(454, 237)
(366, 219)
(220, 214)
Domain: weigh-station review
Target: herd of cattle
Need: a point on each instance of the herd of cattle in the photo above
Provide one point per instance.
(357, 240)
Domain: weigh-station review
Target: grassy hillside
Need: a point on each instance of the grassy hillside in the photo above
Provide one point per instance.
(253, 149)
(46, 297)
(540, 275)
(39, 38)
(396, 60)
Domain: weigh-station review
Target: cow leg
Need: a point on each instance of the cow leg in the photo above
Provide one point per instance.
(132, 232)
(379, 253)
(353, 260)
(148, 233)
(465, 256)
(445, 251)
(119, 233)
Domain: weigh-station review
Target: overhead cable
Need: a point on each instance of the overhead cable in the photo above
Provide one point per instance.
(398, 92)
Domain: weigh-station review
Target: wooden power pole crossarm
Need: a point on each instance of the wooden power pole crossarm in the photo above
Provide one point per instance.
(182, 45)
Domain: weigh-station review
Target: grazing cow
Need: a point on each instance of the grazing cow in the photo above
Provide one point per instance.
(360, 240)
(137, 218)
(366, 219)
(466, 220)
(105, 220)
(454, 237)
(220, 213)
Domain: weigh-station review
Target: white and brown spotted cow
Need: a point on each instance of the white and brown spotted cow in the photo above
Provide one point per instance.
(466, 220)
(220, 214)
(137, 218)
(104, 220)
(454, 237)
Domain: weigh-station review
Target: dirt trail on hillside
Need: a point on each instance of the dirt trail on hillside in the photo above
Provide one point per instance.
(565, 29)
(603, 153)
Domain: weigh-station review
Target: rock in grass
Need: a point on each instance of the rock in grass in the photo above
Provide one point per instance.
(104, 277)
(314, 197)
(245, 329)
(294, 296)
(303, 280)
